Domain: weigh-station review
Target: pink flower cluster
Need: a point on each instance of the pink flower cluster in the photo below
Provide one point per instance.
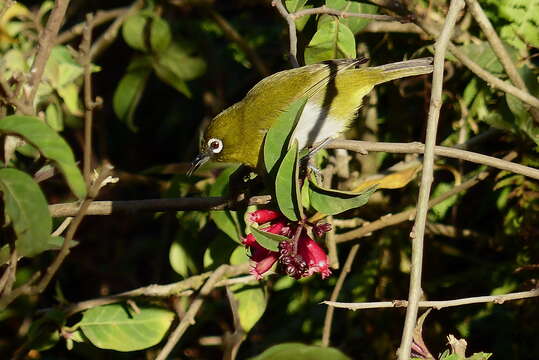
(296, 260)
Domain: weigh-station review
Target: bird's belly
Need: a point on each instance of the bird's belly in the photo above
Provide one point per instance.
(316, 124)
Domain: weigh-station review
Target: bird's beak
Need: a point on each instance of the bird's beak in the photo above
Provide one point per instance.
(197, 162)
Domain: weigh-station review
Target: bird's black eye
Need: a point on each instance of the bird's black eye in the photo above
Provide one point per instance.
(215, 145)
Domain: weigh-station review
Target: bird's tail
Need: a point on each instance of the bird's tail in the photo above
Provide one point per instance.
(406, 68)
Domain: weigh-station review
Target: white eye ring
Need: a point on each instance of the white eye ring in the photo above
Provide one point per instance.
(215, 145)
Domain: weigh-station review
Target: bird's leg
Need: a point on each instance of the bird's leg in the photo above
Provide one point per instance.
(309, 159)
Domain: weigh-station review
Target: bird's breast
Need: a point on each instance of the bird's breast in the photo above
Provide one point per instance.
(316, 124)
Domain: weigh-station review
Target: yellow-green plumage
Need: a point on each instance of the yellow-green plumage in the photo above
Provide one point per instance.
(335, 90)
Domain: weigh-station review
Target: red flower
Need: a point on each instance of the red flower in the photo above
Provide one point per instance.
(314, 256)
(262, 216)
(307, 259)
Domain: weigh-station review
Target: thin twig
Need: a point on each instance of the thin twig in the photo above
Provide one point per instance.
(386, 27)
(236, 37)
(417, 147)
(180, 288)
(326, 334)
(344, 14)
(101, 17)
(8, 277)
(499, 49)
(293, 38)
(189, 317)
(86, 61)
(45, 44)
(418, 231)
(153, 205)
(440, 304)
(108, 37)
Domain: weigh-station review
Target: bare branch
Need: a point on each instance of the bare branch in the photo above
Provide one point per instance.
(335, 294)
(108, 37)
(189, 317)
(418, 232)
(101, 17)
(440, 304)
(293, 38)
(417, 147)
(234, 36)
(180, 288)
(46, 42)
(344, 14)
(153, 205)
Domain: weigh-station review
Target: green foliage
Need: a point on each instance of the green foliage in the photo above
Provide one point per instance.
(118, 327)
(332, 40)
(286, 190)
(50, 144)
(332, 202)
(227, 221)
(300, 352)
(252, 302)
(277, 140)
(268, 240)
(26, 208)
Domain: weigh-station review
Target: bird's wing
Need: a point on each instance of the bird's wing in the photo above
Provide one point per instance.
(335, 67)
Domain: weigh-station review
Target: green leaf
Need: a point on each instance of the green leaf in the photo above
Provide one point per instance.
(252, 303)
(118, 327)
(27, 209)
(286, 184)
(50, 144)
(484, 56)
(54, 117)
(333, 202)
(218, 252)
(355, 24)
(181, 260)
(298, 351)
(332, 40)
(226, 220)
(268, 240)
(129, 91)
(277, 139)
(176, 65)
(133, 31)
(160, 35)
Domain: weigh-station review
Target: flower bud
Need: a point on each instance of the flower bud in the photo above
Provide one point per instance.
(262, 216)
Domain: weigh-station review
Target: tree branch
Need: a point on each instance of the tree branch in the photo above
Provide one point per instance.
(417, 147)
(344, 14)
(440, 304)
(418, 230)
(189, 317)
(293, 39)
(46, 42)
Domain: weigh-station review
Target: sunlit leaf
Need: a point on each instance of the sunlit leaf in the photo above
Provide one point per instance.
(285, 184)
(332, 202)
(277, 139)
(355, 24)
(268, 240)
(50, 144)
(332, 40)
(252, 303)
(118, 327)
